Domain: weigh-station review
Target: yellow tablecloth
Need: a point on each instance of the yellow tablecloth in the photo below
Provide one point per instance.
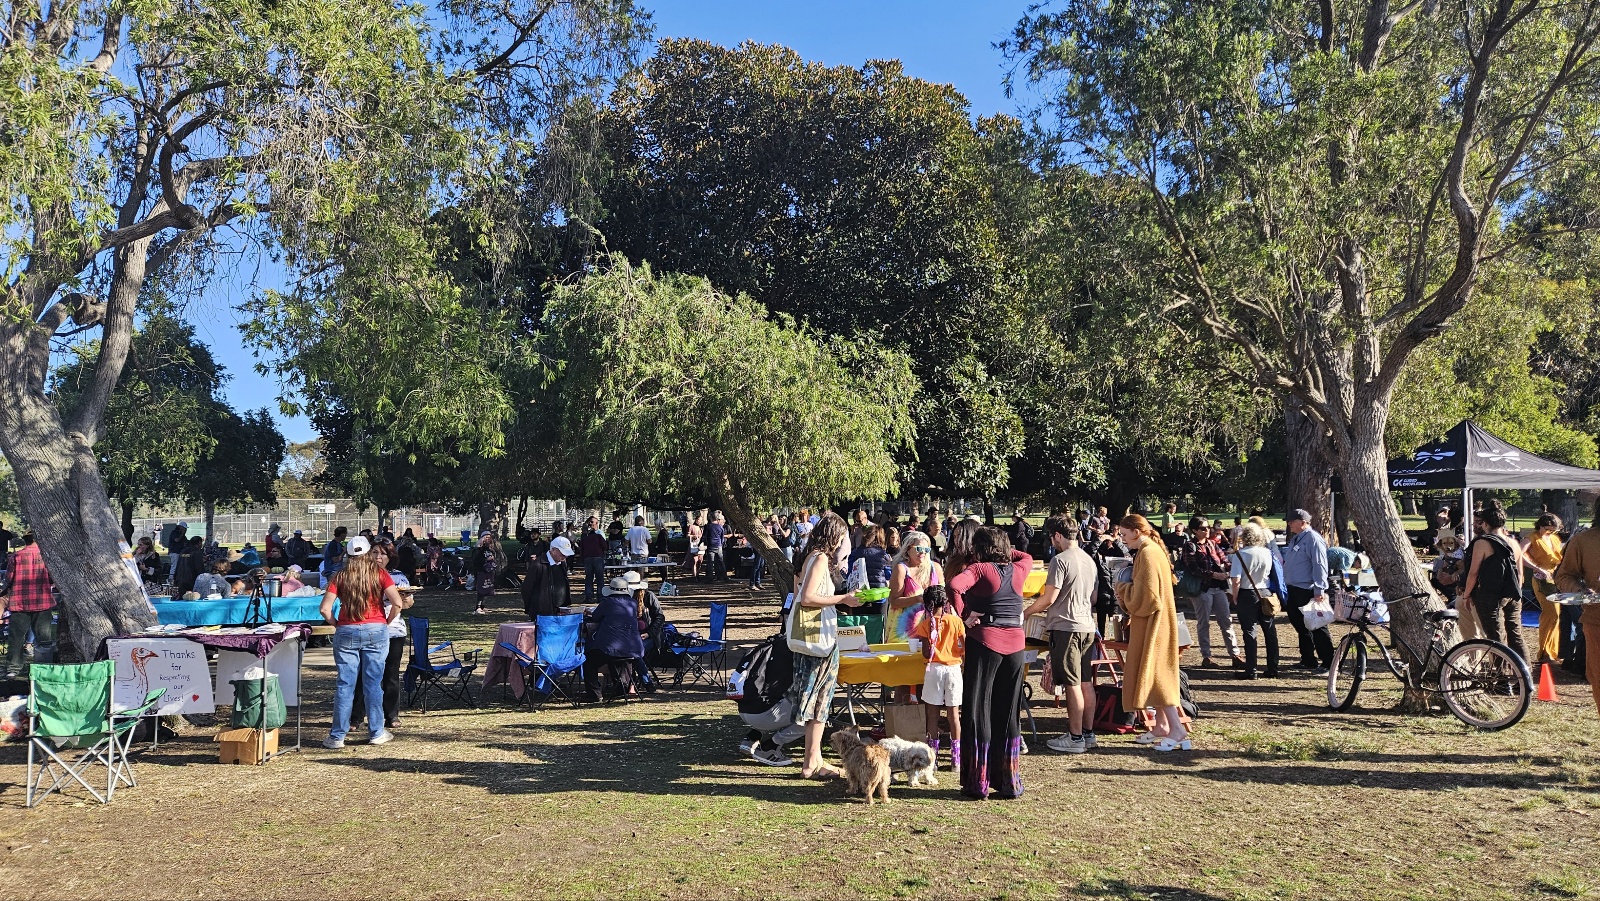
(1035, 583)
(884, 664)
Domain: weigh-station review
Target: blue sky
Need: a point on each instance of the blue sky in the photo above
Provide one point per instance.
(938, 40)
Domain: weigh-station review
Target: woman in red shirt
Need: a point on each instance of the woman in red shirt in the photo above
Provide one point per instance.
(988, 595)
(360, 637)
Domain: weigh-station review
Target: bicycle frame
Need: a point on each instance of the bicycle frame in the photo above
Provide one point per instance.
(1400, 668)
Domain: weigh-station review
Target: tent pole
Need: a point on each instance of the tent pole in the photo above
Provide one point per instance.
(1466, 516)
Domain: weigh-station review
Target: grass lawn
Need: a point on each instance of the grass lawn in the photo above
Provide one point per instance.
(1280, 799)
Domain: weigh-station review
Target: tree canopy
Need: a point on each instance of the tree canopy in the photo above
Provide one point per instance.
(666, 387)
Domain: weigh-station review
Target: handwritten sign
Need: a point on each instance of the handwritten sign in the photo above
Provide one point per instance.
(146, 664)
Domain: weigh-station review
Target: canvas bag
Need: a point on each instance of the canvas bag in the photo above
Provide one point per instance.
(812, 631)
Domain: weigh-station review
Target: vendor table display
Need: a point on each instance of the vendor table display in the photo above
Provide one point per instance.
(502, 667)
(175, 659)
(230, 611)
(892, 664)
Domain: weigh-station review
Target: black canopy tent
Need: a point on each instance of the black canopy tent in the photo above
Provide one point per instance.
(1469, 457)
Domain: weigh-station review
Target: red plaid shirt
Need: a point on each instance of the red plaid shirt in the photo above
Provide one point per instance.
(30, 582)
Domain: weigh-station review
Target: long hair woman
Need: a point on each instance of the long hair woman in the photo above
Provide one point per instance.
(958, 550)
(1150, 668)
(988, 595)
(360, 638)
(815, 677)
(1542, 553)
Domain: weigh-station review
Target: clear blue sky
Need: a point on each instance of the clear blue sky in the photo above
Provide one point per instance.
(939, 40)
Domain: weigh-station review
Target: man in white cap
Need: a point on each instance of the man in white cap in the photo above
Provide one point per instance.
(546, 587)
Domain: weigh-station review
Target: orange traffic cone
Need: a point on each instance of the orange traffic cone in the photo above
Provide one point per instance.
(1547, 685)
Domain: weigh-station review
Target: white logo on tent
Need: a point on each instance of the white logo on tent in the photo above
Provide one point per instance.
(1428, 456)
(1498, 457)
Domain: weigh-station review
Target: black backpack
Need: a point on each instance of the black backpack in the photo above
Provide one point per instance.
(768, 672)
(1497, 574)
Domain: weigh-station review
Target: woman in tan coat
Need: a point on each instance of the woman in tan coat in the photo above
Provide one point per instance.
(1150, 668)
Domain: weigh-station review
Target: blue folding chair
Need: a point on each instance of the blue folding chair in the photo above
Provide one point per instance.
(560, 657)
(437, 668)
(703, 662)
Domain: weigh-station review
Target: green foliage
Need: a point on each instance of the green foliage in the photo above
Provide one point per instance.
(157, 421)
(667, 387)
(1301, 172)
(242, 467)
(1481, 371)
(169, 436)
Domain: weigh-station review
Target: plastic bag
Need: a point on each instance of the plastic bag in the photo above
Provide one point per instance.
(857, 579)
(1318, 613)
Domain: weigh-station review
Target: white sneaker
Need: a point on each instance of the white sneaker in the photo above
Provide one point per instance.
(1089, 742)
(746, 747)
(381, 738)
(333, 744)
(1066, 744)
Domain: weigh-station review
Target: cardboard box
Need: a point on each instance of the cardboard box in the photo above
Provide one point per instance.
(250, 746)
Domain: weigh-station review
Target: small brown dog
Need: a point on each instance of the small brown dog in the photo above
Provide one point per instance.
(866, 764)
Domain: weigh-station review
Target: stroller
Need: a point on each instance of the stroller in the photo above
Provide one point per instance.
(759, 685)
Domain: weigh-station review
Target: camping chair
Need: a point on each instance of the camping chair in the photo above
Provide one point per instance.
(560, 658)
(703, 662)
(70, 704)
(534, 673)
(437, 668)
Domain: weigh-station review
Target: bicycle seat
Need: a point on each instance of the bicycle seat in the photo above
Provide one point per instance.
(1438, 616)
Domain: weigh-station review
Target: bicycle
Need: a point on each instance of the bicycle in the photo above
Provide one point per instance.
(1484, 683)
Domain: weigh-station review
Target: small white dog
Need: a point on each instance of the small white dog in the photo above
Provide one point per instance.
(914, 758)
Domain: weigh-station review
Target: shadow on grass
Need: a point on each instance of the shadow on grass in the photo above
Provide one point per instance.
(659, 757)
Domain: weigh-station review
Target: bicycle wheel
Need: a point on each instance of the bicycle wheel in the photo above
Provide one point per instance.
(1349, 670)
(1485, 684)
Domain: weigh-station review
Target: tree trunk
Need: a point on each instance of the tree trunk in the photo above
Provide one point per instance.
(1365, 473)
(988, 510)
(736, 505)
(1341, 519)
(501, 514)
(66, 506)
(211, 521)
(127, 521)
(1408, 503)
(1310, 480)
(522, 512)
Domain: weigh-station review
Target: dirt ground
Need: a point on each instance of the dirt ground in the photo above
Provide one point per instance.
(1280, 799)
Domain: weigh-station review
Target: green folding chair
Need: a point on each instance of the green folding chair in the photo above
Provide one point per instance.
(69, 709)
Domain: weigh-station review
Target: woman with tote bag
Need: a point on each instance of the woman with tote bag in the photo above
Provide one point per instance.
(813, 637)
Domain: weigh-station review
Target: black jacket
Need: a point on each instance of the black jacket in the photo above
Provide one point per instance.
(546, 587)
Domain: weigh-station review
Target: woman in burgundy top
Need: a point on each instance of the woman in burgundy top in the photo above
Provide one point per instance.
(988, 595)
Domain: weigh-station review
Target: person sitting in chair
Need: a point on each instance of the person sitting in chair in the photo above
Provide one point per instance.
(614, 640)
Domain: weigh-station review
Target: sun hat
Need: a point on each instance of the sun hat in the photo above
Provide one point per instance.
(617, 586)
(359, 546)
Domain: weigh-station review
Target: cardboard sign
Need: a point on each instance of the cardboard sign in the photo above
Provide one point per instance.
(143, 665)
(284, 661)
(852, 638)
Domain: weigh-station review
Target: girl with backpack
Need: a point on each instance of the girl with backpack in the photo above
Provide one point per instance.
(1494, 578)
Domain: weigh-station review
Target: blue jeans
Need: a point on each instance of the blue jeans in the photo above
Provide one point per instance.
(359, 653)
(594, 577)
(757, 570)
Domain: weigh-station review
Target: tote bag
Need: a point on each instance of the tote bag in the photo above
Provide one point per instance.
(812, 631)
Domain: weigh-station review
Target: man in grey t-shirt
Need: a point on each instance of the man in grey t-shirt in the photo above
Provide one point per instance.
(1067, 601)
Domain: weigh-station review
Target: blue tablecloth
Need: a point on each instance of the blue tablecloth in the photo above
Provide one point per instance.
(231, 611)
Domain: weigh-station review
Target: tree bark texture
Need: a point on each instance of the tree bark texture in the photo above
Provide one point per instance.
(65, 503)
(1310, 483)
(1364, 471)
(211, 521)
(737, 506)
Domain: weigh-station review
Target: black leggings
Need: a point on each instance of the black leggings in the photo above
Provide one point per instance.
(391, 683)
(991, 735)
